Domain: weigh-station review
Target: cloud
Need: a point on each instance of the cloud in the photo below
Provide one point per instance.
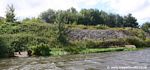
(88, 3)
(32, 8)
(125, 6)
(28, 8)
(139, 8)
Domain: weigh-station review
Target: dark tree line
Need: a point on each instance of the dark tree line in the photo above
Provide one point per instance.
(90, 17)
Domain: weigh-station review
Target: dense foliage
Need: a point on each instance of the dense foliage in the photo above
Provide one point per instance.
(3, 48)
(146, 27)
(41, 38)
(42, 49)
(22, 37)
(90, 17)
(50, 39)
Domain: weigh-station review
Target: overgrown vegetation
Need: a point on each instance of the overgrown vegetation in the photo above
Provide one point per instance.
(45, 39)
(41, 50)
(74, 26)
(4, 48)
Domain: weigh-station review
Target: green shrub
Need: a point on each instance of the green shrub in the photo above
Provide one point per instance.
(4, 51)
(136, 41)
(79, 46)
(32, 20)
(43, 29)
(147, 41)
(137, 32)
(114, 42)
(101, 27)
(58, 51)
(41, 50)
(21, 42)
(21, 36)
(2, 21)
(146, 27)
(73, 50)
(86, 43)
(92, 44)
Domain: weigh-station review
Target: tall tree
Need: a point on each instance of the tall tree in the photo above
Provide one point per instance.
(146, 26)
(10, 15)
(130, 21)
(72, 10)
(48, 16)
(91, 16)
(61, 34)
(119, 21)
(111, 21)
(104, 17)
(71, 15)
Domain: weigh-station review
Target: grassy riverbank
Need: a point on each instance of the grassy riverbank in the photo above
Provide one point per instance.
(61, 51)
(45, 39)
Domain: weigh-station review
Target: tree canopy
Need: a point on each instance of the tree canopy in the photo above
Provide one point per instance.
(90, 17)
(10, 15)
(146, 26)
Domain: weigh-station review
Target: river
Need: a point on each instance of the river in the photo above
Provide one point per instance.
(126, 60)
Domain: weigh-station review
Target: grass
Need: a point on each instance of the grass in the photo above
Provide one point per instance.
(71, 26)
(99, 50)
(61, 51)
(58, 52)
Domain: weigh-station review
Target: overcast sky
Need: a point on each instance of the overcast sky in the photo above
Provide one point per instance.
(32, 8)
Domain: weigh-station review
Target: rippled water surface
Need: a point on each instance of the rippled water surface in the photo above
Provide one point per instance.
(96, 61)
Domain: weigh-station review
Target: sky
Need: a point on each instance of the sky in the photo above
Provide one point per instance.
(32, 8)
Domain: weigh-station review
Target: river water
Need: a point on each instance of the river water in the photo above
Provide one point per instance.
(126, 60)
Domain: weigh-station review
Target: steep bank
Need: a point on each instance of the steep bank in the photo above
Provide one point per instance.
(42, 38)
(86, 34)
(97, 34)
